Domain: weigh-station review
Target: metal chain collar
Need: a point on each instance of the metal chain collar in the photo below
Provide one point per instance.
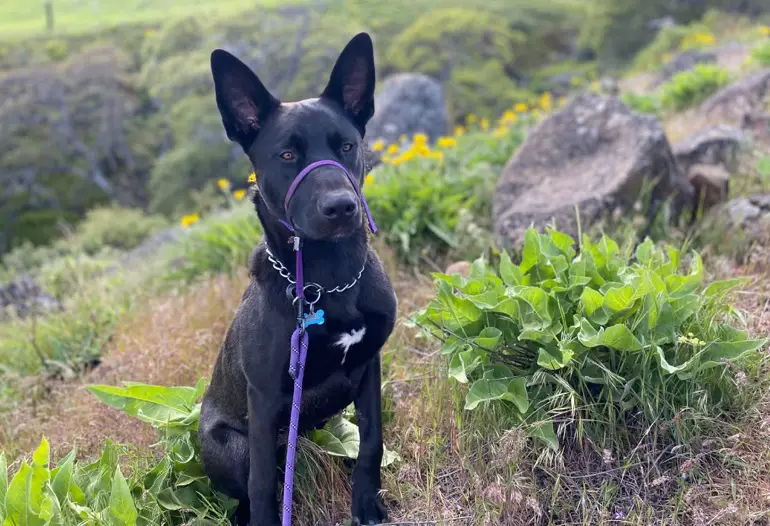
(285, 274)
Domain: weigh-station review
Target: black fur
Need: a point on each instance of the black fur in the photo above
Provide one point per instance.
(246, 407)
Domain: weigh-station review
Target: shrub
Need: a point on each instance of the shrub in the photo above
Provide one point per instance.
(692, 87)
(221, 243)
(470, 50)
(598, 345)
(668, 41)
(761, 53)
(643, 103)
(419, 195)
(115, 227)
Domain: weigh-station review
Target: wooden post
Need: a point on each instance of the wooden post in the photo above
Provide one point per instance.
(48, 7)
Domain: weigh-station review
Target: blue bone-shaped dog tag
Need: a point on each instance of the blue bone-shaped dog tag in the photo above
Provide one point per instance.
(314, 318)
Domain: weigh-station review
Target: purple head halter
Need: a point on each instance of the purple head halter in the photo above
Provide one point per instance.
(299, 338)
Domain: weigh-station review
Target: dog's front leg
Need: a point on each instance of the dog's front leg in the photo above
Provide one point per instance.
(367, 507)
(263, 468)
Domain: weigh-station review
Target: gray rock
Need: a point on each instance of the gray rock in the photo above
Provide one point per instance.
(740, 100)
(711, 184)
(408, 103)
(717, 146)
(595, 154)
(24, 296)
(684, 61)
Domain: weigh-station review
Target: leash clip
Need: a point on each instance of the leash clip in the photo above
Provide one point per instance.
(294, 240)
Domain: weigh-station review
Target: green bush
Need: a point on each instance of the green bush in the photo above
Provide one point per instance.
(221, 243)
(761, 54)
(115, 227)
(469, 50)
(667, 42)
(692, 87)
(643, 103)
(599, 345)
(418, 199)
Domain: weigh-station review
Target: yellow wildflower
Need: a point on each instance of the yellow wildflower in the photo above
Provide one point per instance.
(471, 118)
(500, 132)
(546, 101)
(595, 85)
(392, 149)
(238, 195)
(369, 179)
(447, 142)
(223, 184)
(252, 178)
(189, 220)
(520, 107)
(420, 138)
(485, 124)
(378, 145)
(459, 130)
(419, 149)
(509, 116)
(404, 157)
(437, 155)
(764, 31)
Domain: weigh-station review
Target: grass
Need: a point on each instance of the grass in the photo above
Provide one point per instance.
(22, 18)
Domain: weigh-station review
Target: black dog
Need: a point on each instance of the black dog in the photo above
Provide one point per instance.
(248, 403)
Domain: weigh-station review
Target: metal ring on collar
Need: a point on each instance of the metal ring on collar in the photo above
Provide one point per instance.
(291, 292)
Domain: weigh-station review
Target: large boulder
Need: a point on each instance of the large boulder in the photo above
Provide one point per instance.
(743, 225)
(595, 154)
(718, 145)
(740, 102)
(408, 103)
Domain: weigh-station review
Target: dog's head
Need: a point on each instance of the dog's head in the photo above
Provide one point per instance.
(283, 138)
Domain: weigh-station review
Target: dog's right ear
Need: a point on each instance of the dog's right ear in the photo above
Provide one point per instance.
(242, 99)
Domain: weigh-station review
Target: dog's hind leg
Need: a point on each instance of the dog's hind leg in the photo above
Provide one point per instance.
(225, 456)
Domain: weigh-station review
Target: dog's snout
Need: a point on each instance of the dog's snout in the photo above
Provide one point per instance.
(338, 206)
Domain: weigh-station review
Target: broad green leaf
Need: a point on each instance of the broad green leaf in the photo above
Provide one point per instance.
(18, 506)
(478, 269)
(679, 286)
(645, 252)
(531, 254)
(498, 384)
(488, 338)
(718, 288)
(590, 300)
(619, 299)
(464, 363)
(62, 481)
(338, 438)
(617, 337)
(554, 359)
(508, 271)
(543, 430)
(719, 353)
(564, 242)
(684, 307)
(537, 300)
(157, 405)
(122, 511)
(673, 369)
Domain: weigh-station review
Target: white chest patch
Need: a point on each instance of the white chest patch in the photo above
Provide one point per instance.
(347, 340)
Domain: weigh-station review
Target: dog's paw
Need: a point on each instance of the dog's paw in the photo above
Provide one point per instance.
(368, 509)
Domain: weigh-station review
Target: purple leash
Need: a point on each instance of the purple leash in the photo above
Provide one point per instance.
(299, 338)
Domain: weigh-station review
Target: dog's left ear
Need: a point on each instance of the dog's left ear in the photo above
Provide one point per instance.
(352, 81)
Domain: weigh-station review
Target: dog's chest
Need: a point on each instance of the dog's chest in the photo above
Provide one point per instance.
(335, 349)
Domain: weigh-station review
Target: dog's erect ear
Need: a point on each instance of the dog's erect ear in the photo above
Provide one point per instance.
(352, 81)
(243, 100)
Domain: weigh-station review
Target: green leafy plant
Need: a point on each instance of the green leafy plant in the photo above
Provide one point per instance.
(420, 204)
(170, 488)
(643, 103)
(221, 243)
(597, 343)
(693, 86)
(761, 53)
(115, 227)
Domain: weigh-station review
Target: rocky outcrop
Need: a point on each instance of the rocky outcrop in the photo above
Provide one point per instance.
(406, 104)
(718, 145)
(741, 102)
(684, 61)
(594, 154)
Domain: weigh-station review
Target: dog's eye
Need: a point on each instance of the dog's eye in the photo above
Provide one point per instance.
(347, 147)
(287, 156)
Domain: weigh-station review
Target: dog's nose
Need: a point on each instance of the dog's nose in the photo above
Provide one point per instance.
(338, 206)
